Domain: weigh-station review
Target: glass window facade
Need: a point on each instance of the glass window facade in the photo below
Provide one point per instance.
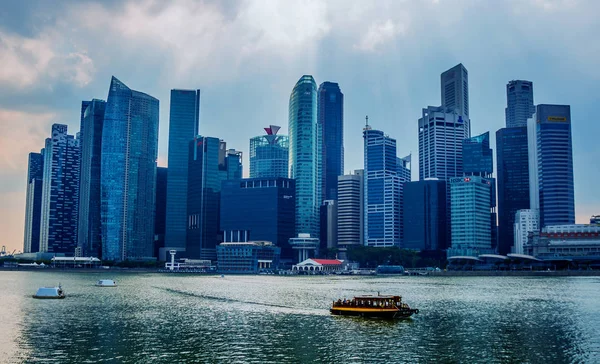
(513, 182)
(265, 208)
(425, 215)
(331, 132)
(519, 99)
(250, 257)
(33, 202)
(129, 153)
(269, 154)
(160, 212)
(90, 222)
(350, 210)
(184, 118)
(304, 155)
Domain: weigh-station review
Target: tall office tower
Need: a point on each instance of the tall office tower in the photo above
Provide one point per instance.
(184, 118)
(425, 220)
(382, 190)
(455, 90)
(160, 213)
(526, 221)
(84, 106)
(551, 163)
(328, 225)
(255, 209)
(304, 157)
(350, 211)
(129, 152)
(331, 131)
(90, 222)
(404, 174)
(478, 160)
(519, 99)
(471, 231)
(231, 165)
(269, 154)
(60, 192)
(513, 182)
(33, 202)
(204, 187)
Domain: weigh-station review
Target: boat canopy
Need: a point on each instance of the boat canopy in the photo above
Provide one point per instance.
(47, 292)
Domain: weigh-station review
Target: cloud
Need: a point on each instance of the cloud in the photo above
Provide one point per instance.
(42, 60)
(379, 34)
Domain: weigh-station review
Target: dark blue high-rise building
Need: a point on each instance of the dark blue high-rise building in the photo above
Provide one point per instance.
(554, 164)
(330, 124)
(513, 182)
(519, 103)
(259, 209)
(478, 159)
(84, 106)
(184, 118)
(33, 204)
(160, 209)
(89, 224)
(425, 220)
(203, 198)
(60, 193)
(129, 153)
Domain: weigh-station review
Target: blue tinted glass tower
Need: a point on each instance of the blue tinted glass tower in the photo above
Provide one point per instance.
(90, 227)
(184, 118)
(382, 190)
(304, 154)
(551, 126)
(129, 152)
(160, 212)
(33, 202)
(60, 193)
(269, 154)
(331, 132)
(513, 182)
(425, 217)
(204, 186)
(520, 107)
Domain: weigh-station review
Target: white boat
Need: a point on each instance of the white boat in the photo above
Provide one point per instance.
(106, 283)
(50, 293)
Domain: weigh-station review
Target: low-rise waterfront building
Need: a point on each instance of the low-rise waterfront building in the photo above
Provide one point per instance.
(247, 257)
(573, 241)
(319, 266)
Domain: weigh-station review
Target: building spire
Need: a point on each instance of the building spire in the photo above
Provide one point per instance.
(367, 127)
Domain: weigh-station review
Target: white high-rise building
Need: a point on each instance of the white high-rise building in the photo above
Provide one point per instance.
(350, 210)
(526, 221)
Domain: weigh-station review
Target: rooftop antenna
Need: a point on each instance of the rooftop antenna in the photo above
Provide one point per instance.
(367, 127)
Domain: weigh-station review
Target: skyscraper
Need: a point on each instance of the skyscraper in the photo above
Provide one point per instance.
(425, 220)
(204, 187)
(471, 231)
(329, 227)
(513, 182)
(269, 154)
(89, 224)
(350, 211)
(455, 90)
(60, 192)
(33, 204)
(519, 99)
(382, 190)
(331, 132)
(304, 157)
(160, 213)
(184, 117)
(230, 166)
(129, 152)
(553, 162)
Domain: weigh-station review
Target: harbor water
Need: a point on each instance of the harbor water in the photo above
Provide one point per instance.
(171, 318)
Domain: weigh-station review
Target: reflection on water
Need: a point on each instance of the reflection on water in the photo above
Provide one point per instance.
(171, 318)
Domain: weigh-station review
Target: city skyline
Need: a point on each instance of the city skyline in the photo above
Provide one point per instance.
(388, 96)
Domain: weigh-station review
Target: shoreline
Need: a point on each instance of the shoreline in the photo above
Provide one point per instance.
(559, 273)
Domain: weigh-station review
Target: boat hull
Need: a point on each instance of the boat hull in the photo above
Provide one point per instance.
(373, 312)
(48, 297)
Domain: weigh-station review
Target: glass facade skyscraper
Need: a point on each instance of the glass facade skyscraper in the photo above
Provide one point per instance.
(551, 125)
(184, 118)
(350, 210)
(382, 190)
(160, 211)
(269, 154)
(255, 209)
(129, 153)
(33, 202)
(60, 193)
(513, 182)
(425, 220)
(204, 187)
(455, 90)
(89, 225)
(519, 99)
(478, 159)
(331, 132)
(304, 154)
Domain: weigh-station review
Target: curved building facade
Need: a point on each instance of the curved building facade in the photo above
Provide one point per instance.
(129, 153)
(304, 154)
(269, 154)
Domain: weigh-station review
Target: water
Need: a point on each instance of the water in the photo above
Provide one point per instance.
(268, 319)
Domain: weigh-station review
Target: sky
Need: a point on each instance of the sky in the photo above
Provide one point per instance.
(246, 56)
